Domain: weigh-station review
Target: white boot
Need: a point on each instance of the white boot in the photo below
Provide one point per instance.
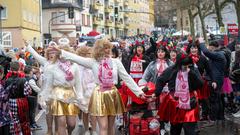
(94, 133)
(237, 115)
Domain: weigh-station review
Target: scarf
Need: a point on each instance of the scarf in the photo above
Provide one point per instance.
(66, 68)
(194, 57)
(182, 90)
(161, 67)
(105, 74)
(173, 60)
(136, 68)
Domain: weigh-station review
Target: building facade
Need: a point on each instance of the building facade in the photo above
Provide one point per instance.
(166, 13)
(118, 18)
(56, 21)
(141, 18)
(86, 21)
(20, 20)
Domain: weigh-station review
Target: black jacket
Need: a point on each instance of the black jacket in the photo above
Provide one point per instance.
(217, 62)
(169, 76)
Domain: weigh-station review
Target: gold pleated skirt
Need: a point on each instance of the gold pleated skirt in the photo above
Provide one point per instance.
(106, 103)
(58, 106)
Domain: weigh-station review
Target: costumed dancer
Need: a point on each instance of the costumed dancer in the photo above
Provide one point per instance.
(153, 71)
(202, 64)
(173, 55)
(62, 89)
(181, 102)
(44, 62)
(18, 90)
(105, 102)
(87, 84)
(138, 62)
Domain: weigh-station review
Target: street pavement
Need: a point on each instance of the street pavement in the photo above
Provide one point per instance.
(231, 126)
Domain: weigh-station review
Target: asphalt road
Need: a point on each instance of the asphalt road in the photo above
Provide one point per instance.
(231, 126)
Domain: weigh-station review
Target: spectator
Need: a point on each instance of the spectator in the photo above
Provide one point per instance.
(32, 98)
(217, 62)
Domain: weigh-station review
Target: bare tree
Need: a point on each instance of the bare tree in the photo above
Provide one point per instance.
(204, 8)
(192, 13)
(190, 6)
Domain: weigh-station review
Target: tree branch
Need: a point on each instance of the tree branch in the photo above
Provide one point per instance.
(194, 15)
(209, 13)
(208, 10)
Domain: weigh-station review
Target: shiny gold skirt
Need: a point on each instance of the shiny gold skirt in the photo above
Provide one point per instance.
(59, 105)
(106, 103)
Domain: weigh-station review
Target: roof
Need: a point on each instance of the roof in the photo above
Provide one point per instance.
(46, 4)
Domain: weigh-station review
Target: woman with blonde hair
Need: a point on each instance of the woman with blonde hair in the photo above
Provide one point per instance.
(87, 84)
(44, 62)
(105, 102)
(62, 88)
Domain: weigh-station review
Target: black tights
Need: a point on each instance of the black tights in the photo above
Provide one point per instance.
(189, 128)
(5, 130)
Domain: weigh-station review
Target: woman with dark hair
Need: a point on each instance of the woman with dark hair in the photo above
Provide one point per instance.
(180, 105)
(138, 62)
(154, 70)
(173, 55)
(201, 63)
(156, 67)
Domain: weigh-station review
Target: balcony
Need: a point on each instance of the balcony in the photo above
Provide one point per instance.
(97, 21)
(126, 14)
(119, 24)
(109, 9)
(117, 1)
(97, 6)
(63, 27)
(126, 3)
(109, 23)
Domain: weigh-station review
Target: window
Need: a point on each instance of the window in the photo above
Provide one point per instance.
(83, 19)
(54, 14)
(62, 17)
(101, 16)
(88, 20)
(4, 13)
(7, 39)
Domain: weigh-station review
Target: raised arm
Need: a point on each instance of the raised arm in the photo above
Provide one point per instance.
(127, 79)
(86, 62)
(209, 54)
(38, 57)
(77, 84)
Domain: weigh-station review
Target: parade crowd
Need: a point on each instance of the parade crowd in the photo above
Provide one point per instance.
(177, 82)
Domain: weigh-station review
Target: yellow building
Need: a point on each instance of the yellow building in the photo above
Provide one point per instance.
(141, 19)
(20, 20)
(117, 18)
